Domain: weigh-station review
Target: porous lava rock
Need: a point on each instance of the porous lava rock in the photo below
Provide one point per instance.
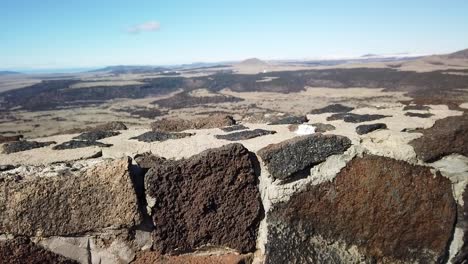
(234, 128)
(416, 107)
(447, 136)
(289, 120)
(355, 118)
(110, 126)
(178, 125)
(333, 108)
(152, 257)
(286, 158)
(24, 145)
(322, 127)
(420, 115)
(96, 135)
(147, 160)
(21, 250)
(364, 129)
(152, 136)
(100, 197)
(74, 144)
(389, 211)
(245, 134)
(209, 199)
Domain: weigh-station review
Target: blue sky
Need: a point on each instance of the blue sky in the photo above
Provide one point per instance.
(88, 33)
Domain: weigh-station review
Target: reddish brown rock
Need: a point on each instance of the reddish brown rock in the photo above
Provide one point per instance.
(390, 210)
(152, 257)
(209, 199)
(21, 251)
(102, 196)
(447, 136)
(4, 139)
(178, 125)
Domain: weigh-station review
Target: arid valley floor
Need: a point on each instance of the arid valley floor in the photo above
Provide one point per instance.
(252, 162)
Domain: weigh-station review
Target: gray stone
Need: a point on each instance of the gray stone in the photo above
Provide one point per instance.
(246, 134)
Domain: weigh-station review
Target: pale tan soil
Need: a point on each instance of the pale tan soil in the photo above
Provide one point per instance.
(16, 81)
(105, 83)
(391, 142)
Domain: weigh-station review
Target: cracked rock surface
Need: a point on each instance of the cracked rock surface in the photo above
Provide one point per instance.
(376, 210)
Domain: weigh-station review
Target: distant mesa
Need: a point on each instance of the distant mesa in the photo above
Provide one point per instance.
(253, 62)
(128, 69)
(5, 73)
(369, 55)
(462, 54)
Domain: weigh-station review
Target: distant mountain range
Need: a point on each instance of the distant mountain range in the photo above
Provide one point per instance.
(4, 73)
(127, 69)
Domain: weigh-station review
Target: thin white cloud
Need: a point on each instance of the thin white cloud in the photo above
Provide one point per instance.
(149, 26)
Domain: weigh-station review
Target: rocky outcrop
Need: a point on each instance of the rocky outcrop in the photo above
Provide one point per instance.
(210, 199)
(355, 118)
(110, 126)
(96, 135)
(151, 257)
(420, 115)
(4, 139)
(234, 128)
(376, 210)
(178, 125)
(153, 136)
(334, 108)
(365, 129)
(285, 159)
(103, 196)
(246, 134)
(24, 145)
(447, 136)
(462, 256)
(289, 120)
(21, 250)
(74, 144)
(416, 107)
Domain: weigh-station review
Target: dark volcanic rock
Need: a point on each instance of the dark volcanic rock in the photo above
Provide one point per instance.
(364, 129)
(148, 160)
(447, 136)
(153, 136)
(24, 145)
(6, 167)
(74, 144)
(177, 125)
(321, 127)
(210, 198)
(4, 139)
(246, 134)
(111, 126)
(354, 118)
(421, 115)
(96, 135)
(416, 107)
(334, 108)
(393, 212)
(103, 196)
(289, 120)
(299, 153)
(234, 128)
(20, 251)
(462, 256)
